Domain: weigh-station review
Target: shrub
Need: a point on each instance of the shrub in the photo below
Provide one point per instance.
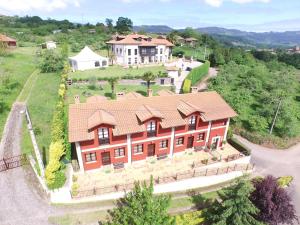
(51, 62)
(284, 181)
(186, 86)
(74, 188)
(59, 180)
(191, 218)
(198, 73)
(239, 146)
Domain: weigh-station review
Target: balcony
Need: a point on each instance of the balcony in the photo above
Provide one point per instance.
(151, 133)
(103, 141)
(192, 126)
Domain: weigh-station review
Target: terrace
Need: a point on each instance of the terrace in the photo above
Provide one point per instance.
(182, 166)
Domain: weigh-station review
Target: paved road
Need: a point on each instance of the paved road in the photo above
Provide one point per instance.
(278, 163)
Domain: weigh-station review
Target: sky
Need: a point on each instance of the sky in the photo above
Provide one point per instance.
(248, 15)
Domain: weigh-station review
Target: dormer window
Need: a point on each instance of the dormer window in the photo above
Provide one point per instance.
(151, 129)
(192, 122)
(103, 136)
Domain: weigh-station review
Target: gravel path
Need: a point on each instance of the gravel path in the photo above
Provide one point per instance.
(278, 163)
(202, 86)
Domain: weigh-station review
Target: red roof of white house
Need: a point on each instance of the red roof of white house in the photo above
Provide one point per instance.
(5, 38)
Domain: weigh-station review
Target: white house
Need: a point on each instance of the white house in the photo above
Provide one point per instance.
(87, 59)
(137, 49)
(50, 45)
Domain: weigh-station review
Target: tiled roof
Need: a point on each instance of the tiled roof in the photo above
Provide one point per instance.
(4, 38)
(126, 112)
(165, 92)
(191, 39)
(141, 40)
(146, 112)
(100, 117)
(96, 99)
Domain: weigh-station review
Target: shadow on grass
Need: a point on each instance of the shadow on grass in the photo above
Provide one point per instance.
(200, 201)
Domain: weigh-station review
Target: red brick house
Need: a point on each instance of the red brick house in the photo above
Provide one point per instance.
(10, 42)
(120, 132)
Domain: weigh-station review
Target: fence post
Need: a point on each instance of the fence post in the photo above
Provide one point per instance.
(94, 191)
(234, 167)
(217, 171)
(6, 166)
(227, 169)
(206, 172)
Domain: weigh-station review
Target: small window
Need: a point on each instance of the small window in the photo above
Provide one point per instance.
(90, 157)
(135, 60)
(192, 120)
(129, 61)
(162, 81)
(119, 152)
(138, 149)
(135, 51)
(161, 51)
(156, 51)
(143, 59)
(179, 141)
(161, 59)
(103, 133)
(144, 51)
(163, 144)
(151, 126)
(117, 50)
(97, 64)
(200, 137)
(152, 50)
(120, 51)
(129, 51)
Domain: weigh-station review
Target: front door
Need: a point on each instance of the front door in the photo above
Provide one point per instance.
(190, 142)
(215, 143)
(151, 150)
(105, 158)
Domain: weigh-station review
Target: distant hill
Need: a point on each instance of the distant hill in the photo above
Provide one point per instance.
(153, 29)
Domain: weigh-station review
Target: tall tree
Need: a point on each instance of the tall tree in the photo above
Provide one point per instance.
(234, 206)
(273, 202)
(112, 82)
(109, 24)
(141, 207)
(124, 25)
(148, 77)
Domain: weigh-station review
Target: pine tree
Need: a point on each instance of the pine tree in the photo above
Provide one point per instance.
(141, 207)
(234, 206)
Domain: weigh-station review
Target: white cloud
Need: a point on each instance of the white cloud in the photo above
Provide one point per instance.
(218, 3)
(17, 6)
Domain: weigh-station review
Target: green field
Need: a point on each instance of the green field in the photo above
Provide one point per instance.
(16, 67)
(41, 105)
(115, 71)
(197, 53)
(83, 91)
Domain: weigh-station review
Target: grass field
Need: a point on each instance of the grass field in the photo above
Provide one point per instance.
(115, 71)
(83, 91)
(197, 53)
(41, 105)
(17, 67)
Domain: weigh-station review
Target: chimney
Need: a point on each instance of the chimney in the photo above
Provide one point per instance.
(120, 95)
(194, 89)
(150, 92)
(76, 99)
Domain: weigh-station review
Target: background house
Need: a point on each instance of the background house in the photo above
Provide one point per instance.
(10, 42)
(87, 59)
(49, 45)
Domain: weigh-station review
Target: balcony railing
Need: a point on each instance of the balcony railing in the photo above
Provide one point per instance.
(151, 133)
(103, 141)
(192, 126)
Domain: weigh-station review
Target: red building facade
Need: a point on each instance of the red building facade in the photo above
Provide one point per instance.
(155, 135)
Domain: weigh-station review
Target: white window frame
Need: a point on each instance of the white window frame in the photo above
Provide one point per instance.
(151, 126)
(138, 149)
(177, 141)
(92, 156)
(203, 137)
(163, 144)
(103, 133)
(118, 150)
(192, 120)
(129, 52)
(144, 51)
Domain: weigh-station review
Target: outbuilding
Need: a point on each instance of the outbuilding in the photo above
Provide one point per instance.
(49, 45)
(87, 59)
(10, 42)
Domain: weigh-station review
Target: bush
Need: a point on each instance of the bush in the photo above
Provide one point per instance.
(284, 181)
(186, 86)
(239, 146)
(51, 62)
(74, 188)
(198, 73)
(191, 218)
(59, 180)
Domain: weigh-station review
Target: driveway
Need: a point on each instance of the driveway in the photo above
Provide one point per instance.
(278, 163)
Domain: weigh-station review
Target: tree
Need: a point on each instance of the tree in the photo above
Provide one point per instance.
(141, 207)
(3, 48)
(112, 82)
(234, 206)
(273, 202)
(64, 51)
(109, 24)
(51, 62)
(148, 77)
(124, 25)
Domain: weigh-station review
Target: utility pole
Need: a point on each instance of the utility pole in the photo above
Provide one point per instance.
(275, 117)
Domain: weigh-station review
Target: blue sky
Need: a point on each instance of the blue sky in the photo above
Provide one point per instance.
(252, 15)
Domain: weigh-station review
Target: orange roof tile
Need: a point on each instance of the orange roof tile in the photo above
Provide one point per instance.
(146, 112)
(165, 92)
(169, 107)
(100, 117)
(5, 38)
(95, 99)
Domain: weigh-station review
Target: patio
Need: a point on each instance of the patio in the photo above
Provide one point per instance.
(180, 165)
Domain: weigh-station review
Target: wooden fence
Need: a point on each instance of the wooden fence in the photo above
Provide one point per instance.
(12, 162)
(196, 172)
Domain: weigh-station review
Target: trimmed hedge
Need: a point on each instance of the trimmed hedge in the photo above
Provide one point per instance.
(198, 73)
(239, 146)
(187, 86)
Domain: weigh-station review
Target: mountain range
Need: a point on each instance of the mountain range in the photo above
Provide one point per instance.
(236, 37)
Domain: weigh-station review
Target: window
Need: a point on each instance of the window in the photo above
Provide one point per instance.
(161, 51)
(129, 51)
(143, 59)
(192, 123)
(135, 60)
(156, 51)
(162, 81)
(135, 51)
(225, 123)
(151, 127)
(152, 50)
(117, 50)
(200, 137)
(179, 141)
(163, 144)
(161, 59)
(119, 152)
(144, 51)
(90, 157)
(120, 51)
(138, 149)
(97, 64)
(129, 61)
(103, 136)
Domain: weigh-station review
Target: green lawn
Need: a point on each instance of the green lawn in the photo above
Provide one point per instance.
(41, 105)
(197, 53)
(83, 91)
(115, 71)
(17, 67)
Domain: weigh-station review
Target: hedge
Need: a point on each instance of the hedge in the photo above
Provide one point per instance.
(186, 86)
(198, 73)
(239, 146)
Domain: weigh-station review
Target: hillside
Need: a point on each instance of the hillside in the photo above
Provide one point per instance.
(153, 29)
